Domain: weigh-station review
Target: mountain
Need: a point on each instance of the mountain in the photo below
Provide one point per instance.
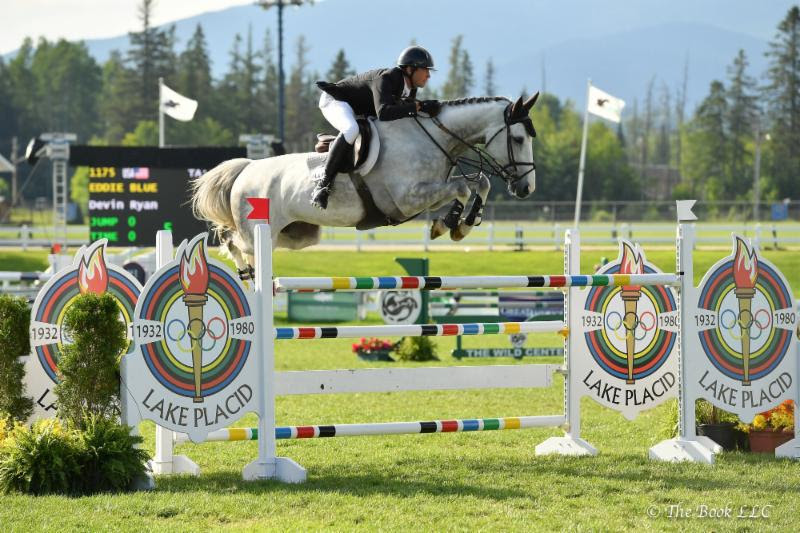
(621, 44)
(623, 63)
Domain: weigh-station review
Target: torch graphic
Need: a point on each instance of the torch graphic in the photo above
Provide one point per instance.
(632, 263)
(745, 273)
(194, 278)
(92, 273)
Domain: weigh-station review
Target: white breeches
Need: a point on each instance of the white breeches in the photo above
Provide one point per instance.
(340, 115)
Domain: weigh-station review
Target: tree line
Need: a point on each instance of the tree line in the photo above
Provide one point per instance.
(58, 86)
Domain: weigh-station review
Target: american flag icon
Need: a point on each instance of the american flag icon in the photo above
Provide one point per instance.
(136, 173)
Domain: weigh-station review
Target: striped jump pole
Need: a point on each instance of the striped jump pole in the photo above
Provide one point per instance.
(420, 330)
(385, 428)
(470, 282)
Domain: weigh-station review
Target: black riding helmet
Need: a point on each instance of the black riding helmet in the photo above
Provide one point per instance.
(415, 56)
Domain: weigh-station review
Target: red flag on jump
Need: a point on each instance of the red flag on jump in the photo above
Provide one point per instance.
(260, 209)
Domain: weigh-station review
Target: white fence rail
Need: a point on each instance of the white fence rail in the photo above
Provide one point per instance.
(521, 236)
(490, 235)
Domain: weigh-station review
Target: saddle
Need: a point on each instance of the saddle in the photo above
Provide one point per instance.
(359, 151)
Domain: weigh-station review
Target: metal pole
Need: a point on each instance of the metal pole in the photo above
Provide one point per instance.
(582, 165)
(281, 103)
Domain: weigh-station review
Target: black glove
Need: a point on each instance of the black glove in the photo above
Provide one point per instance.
(431, 107)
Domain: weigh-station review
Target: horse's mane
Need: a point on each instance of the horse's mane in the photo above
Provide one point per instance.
(475, 100)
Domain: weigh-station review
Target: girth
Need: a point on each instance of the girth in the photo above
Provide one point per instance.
(373, 216)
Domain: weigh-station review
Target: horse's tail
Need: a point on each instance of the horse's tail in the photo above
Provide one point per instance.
(211, 194)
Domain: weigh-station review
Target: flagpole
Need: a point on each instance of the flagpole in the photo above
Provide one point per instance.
(160, 114)
(582, 165)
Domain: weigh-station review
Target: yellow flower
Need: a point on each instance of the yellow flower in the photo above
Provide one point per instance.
(760, 422)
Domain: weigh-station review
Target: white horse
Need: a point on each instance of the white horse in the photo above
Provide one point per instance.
(411, 175)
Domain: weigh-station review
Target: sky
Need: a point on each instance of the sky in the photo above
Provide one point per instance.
(89, 19)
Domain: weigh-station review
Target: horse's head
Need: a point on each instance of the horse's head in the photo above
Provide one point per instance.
(512, 145)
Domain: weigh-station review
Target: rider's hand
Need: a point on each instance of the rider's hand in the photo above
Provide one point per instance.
(419, 105)
(431, 107)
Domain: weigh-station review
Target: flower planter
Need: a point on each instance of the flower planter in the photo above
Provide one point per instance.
(725, 434)
(375, 355)
(767, 441)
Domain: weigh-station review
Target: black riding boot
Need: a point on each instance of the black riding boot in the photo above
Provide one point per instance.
(336, 153)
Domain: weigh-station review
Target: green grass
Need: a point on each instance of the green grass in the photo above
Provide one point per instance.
(490, 480)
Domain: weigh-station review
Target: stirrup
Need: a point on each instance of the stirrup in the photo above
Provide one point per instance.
(247, 273)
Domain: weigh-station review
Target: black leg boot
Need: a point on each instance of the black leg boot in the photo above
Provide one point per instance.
(336, 154)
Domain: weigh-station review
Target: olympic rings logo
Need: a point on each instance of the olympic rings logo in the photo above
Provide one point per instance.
(206, 330)
(745, 320)
(630, 324)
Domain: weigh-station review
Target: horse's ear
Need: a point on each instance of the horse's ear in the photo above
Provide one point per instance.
(529, 103)
(517, 109)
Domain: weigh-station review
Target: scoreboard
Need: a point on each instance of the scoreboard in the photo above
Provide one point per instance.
(128, 205)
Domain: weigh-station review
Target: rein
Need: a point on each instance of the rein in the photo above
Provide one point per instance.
(484, 158)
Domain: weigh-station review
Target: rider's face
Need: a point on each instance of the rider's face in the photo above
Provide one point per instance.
(420, 77)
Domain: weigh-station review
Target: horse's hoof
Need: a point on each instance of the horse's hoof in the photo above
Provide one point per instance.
(456, 235)
(437, 229)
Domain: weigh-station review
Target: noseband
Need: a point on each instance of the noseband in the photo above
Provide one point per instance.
(484, 162)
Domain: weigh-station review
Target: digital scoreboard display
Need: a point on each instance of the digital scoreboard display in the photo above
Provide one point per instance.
(128, 205)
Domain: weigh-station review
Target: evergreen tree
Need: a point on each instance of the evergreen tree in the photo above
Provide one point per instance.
(116, 109)
(340, 68)
(194, 69)
(742, 107)
(455, 84)
(467, 74)
(301, 110)
(662, 154)
(269, 90)
(20, 81)
(680, 111)
(192, 79)
(67, 82)
(783, 91)
(227, 107)
(707, 147)
(8, 111)
(150, 57)
(489, 87)
(647, 125)
(250, 113)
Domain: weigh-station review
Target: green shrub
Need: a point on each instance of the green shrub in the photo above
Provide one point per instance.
(670, 426)
(707, 413)
(43, 459)
(89, 367)
(109, 458)
(416, 349)
(601, 215)
(50, 458)
(15, 317)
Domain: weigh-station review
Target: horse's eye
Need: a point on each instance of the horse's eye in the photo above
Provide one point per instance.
(518, 140)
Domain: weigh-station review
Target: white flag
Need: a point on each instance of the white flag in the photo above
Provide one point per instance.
(604, 105)
(176, 105)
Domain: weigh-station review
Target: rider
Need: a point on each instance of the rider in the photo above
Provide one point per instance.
(387, 93)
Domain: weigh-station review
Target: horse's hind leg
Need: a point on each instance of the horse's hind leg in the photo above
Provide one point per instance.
(475, 215)
(227, 241)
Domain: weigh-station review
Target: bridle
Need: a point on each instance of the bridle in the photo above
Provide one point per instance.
(483, 162)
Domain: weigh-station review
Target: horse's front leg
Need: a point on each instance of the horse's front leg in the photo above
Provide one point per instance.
(430, 195)
(452, 219)
(475, 214)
